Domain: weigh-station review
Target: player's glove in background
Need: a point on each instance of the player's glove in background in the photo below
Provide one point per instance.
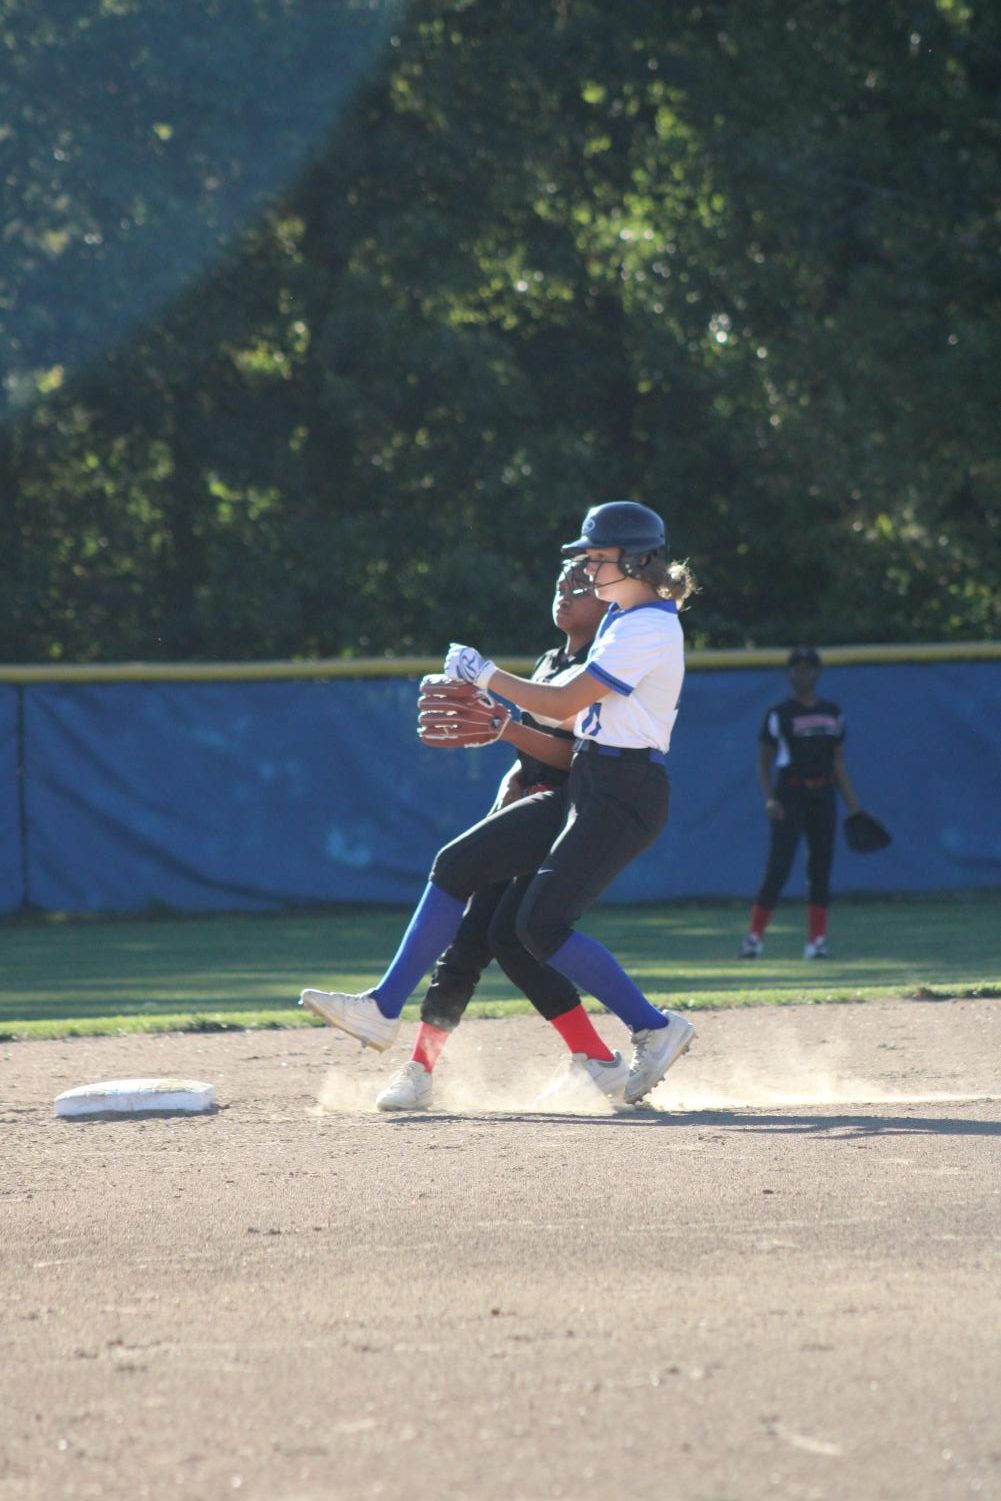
(865, 834)
(466, 665)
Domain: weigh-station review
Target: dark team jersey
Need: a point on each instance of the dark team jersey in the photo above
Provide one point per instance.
(805, 738)
(549, 666)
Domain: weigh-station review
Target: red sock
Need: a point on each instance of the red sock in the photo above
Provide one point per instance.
(760, 918)
(816, 919)
(577, 1031)
(428, 1046)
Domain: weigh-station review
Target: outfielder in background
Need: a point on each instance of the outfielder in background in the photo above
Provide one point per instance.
(801, 768)
(543, 765)
(560, 850)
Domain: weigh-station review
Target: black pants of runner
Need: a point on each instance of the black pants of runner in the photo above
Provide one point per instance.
(457, 973)
(559, 850)
(809, 813)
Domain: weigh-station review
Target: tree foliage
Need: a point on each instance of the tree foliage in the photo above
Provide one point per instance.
(326, 321)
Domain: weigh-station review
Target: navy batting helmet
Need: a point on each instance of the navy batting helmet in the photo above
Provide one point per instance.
(620, 523)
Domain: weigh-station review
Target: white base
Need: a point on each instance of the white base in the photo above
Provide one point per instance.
(132, 1096)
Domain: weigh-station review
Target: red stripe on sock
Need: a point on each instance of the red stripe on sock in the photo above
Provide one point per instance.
(428, 1045)
(577, 1031)
(816, 920)
(760, 918)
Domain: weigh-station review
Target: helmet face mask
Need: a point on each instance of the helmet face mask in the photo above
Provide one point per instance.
(575, 576)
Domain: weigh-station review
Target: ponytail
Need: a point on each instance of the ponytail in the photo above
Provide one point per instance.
(670, 580)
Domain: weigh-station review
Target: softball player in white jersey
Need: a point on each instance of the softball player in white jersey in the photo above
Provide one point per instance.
(561, 849)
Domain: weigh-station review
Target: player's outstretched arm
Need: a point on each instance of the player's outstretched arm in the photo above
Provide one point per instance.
(560, 701)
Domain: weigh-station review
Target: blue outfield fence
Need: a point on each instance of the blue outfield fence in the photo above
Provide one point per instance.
(258, 795)
(11, 847)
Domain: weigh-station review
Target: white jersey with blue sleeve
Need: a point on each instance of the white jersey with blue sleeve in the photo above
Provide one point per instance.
(640, 654)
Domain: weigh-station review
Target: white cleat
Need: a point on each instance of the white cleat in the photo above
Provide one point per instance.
(817, 949)
(751, 947)
(409, 1089)
(583, 1083)
(654, 1051)
(358, 1015)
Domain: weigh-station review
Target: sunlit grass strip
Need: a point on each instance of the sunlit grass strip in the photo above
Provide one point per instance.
(126, 1026)
(290, 1019)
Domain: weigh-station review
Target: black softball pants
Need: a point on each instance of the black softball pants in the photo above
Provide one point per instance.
(559, 851)
(457, 973)
(809, 813)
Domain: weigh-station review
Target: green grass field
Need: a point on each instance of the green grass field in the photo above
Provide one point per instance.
(65, 977)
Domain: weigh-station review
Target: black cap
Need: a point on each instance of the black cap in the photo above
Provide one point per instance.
(804, 654)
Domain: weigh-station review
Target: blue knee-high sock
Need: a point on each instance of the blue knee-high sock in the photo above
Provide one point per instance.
(591, 967)
(431, 930)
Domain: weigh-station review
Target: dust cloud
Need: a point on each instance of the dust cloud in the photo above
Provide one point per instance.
(494, 1068)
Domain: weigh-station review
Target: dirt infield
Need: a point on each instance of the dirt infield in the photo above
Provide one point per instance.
(783, 1282)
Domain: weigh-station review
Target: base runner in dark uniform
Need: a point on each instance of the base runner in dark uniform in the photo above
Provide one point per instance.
(577, 612)
(801, 768)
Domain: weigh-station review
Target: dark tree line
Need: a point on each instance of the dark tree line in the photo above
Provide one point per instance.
(322, 322)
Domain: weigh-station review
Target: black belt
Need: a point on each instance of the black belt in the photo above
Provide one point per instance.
(626, 752)
(813, 783)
